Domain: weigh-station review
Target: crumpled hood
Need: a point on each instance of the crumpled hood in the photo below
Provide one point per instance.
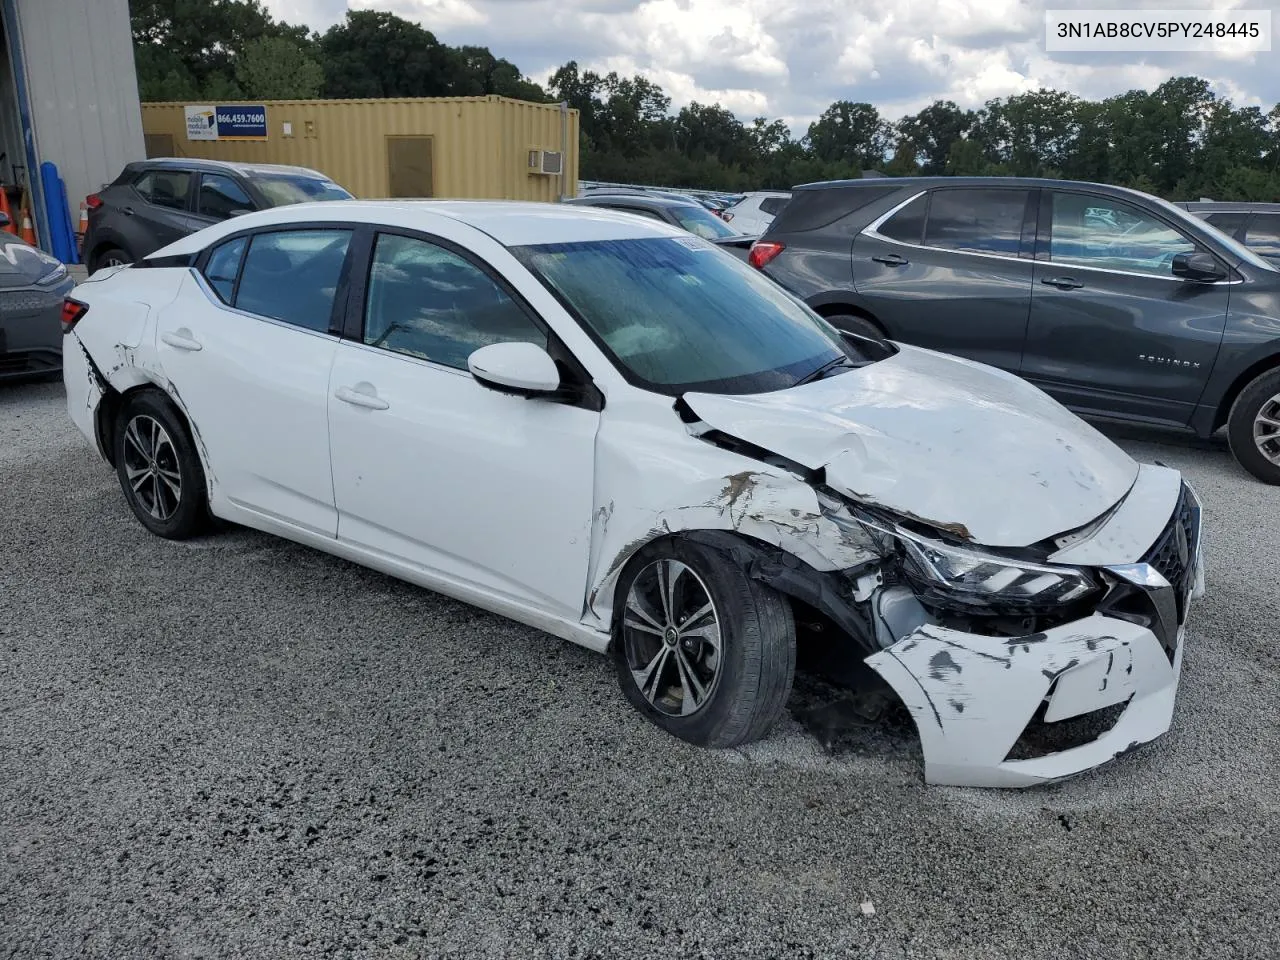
(954, 443)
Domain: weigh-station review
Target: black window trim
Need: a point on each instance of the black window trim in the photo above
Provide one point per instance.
(581, 391)
(1028, 222)
(341, 295)
(1044, 237)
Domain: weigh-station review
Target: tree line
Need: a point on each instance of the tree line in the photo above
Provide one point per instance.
(1179, 140)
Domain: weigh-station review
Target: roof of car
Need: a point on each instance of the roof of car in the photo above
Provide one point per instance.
(199, 163)
(922, 183)
(1230, 206)
(639, 199)
(510, 222)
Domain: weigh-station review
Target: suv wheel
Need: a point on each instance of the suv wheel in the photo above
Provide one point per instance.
(701, 649)
(852, 323)
(111, 257)
(1253, 427)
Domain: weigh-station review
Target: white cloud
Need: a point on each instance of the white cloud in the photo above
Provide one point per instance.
(792, 58)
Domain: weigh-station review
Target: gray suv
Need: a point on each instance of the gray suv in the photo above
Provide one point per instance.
(155, 202)
(1116, 303)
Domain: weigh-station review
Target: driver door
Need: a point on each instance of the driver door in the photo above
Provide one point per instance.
(433, 469)
(1111, 328)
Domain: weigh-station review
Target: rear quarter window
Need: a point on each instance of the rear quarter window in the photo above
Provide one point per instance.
(812, 209)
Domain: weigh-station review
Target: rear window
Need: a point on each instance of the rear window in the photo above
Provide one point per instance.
(773, 205)
(811, 209)
(280, 190)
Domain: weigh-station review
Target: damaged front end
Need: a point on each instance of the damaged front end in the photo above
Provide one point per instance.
(1018, 666)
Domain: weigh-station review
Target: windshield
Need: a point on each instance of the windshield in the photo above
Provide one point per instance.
(280, 190)
(679, 314)
(703, 223)
(1237, 248)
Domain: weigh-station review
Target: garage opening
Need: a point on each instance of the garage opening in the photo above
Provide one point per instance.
(13, 164)
(409, 171)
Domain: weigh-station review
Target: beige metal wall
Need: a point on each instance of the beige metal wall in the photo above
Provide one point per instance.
(480, 144)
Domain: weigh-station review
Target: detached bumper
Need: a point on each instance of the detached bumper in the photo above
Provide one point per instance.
(973, 697)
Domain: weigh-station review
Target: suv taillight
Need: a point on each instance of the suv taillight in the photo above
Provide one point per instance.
(72, 312)
(762, 251)
(93, 201)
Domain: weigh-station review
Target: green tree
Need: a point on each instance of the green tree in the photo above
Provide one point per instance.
(373, 54)
(932, 131)
(276, 68)
(850, 133)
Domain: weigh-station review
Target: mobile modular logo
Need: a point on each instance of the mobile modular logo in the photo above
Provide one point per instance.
(238, 122)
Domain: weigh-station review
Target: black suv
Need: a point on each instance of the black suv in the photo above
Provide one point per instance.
(1116, 303)
(1256, 225)
(155, 202)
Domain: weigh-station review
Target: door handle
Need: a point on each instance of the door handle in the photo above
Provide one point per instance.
(181, 339)
(891, 259)
(358, 398)
(127, 211)
(1063, 283)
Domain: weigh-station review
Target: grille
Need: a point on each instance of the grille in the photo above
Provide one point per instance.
(27, 301)
(1174, 553)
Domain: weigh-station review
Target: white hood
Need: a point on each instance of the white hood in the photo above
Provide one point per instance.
(954, 443)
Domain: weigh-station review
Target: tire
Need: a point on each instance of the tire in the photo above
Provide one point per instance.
(109, 256)
(147, 422)
(1255, 416)
(852, 323)
(748, 687)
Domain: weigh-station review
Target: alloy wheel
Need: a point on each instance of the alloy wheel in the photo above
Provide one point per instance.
(1266, 429)
(672, 639)
(151, 467)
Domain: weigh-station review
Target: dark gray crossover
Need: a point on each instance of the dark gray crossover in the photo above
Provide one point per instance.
(152, 203)
(1116, 303)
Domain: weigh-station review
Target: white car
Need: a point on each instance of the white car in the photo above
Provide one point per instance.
(610, 430)
(755, 211)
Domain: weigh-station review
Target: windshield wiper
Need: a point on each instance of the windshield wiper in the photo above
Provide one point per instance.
(840, 361)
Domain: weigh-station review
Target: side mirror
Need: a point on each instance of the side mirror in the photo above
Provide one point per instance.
(524, 369)
(1199, 266)
(4, 217)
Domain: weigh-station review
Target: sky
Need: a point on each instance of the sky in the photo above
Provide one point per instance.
(790, 59)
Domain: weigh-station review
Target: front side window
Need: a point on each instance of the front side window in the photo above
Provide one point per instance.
(220, 197)
(675, 314)
(1264, 234)
(428, 302)
(223, 265)
(165, 188)
(292, 275)
(977, 221)
(1135, 243)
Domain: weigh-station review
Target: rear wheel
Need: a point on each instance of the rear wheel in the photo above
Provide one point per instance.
(110, 257)
(1253, 427)
(701, 649)
(852, 323)
(158, 469)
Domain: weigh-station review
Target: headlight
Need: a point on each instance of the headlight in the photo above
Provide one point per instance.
(53, 276)
(969, 578)
(978, 579)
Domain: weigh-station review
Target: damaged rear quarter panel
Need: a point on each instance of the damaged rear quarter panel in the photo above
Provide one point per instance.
(652, 481)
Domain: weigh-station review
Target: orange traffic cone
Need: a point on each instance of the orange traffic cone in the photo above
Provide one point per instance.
(28, 231)
(84, 227)
(10, 227)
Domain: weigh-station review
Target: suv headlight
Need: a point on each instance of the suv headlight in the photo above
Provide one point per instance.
(967, 577)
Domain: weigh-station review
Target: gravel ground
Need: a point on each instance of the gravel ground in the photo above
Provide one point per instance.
(238, 747)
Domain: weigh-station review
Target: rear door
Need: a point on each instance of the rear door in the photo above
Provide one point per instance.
(951, 269)
(161, 213)
(1112, 329)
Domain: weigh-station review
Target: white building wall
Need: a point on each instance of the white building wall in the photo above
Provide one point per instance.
(82, 89)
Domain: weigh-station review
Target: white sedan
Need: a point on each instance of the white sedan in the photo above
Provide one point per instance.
(611, 430)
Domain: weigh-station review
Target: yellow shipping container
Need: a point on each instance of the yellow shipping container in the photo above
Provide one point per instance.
(448, 147)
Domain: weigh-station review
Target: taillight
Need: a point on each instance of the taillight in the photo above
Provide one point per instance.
(72, 311)
(762, 251)
(93, 201)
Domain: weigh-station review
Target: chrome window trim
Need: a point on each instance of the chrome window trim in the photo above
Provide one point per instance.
(873, 230)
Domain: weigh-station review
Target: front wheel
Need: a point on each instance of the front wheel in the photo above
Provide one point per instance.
(852, 323)
(159, 471)
(1253, 427)
(110, 257)
(701, 649)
